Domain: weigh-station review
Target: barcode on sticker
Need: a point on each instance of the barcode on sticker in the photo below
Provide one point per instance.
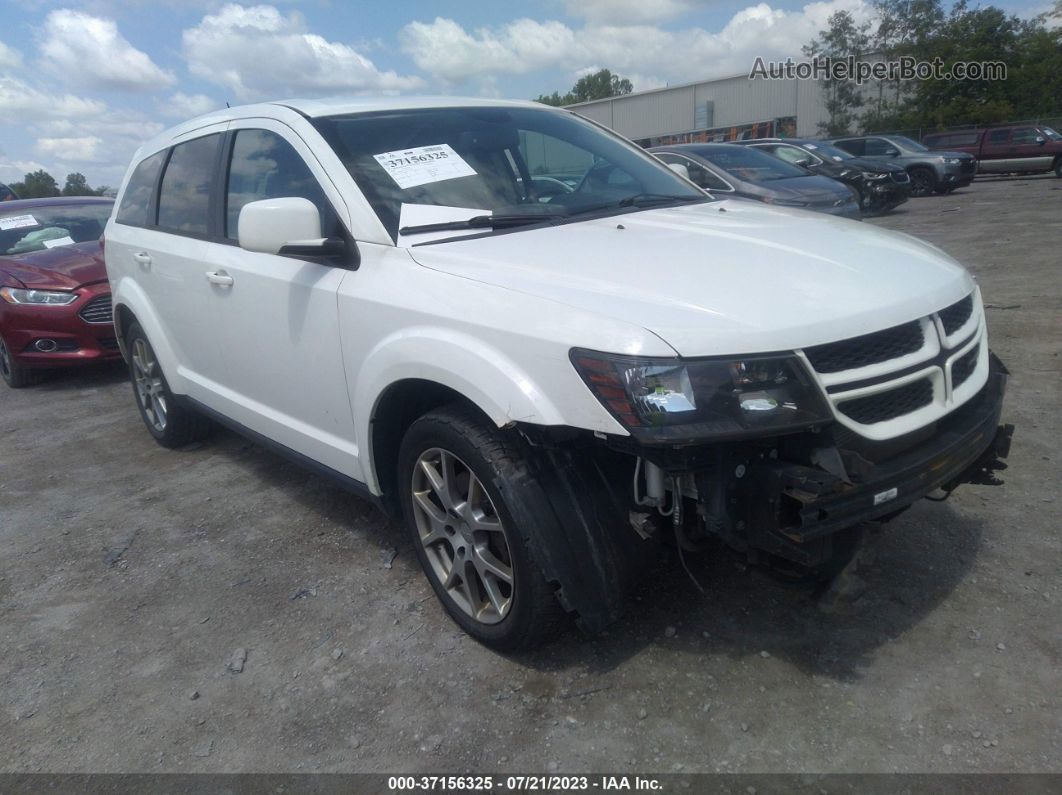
(885, 496)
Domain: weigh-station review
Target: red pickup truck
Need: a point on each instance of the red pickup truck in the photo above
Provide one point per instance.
(1016, 148)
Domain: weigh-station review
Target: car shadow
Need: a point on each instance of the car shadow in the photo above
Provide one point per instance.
(91, 376)
(903, 573)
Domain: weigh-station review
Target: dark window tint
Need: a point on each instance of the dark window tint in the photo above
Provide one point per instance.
(854, 146)
(136, 201)
(265, 166)
(998, 136)
(1024, 135)
(184, 199)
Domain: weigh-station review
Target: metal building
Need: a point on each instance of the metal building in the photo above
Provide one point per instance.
(730, 108)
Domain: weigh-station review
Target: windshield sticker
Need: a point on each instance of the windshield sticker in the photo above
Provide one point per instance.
(424, 164)
(18, 221)
(59, 241)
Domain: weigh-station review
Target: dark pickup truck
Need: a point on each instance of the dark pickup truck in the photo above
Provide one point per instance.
(1000, 150)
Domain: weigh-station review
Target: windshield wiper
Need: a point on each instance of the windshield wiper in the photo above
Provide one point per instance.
(482, 222)
(645, 199)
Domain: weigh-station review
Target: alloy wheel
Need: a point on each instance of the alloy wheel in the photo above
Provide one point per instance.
(463, 536)
(147, 377)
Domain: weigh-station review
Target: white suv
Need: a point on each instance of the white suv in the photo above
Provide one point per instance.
(544, 349)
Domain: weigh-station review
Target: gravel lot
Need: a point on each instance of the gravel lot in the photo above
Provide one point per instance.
(131, 575)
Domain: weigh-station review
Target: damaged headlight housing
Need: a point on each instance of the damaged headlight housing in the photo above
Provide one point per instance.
(677, 401)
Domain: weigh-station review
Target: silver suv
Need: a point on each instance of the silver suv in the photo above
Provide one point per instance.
(931, 171)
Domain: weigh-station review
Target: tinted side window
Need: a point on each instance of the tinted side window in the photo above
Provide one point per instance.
(184, 199)
(265, 166)
(853, 147)
(1024, 135)
(998, 136)
(877, 146)
(699, 175)
(136, 201)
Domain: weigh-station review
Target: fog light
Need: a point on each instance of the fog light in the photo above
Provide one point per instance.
(46, 346)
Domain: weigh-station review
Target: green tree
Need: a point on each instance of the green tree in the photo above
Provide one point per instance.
(77, 185)
(843, 37)
(599, 85)
(37, 185)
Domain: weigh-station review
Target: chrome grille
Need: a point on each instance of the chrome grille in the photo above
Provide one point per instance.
(889, 404)
(850, 354)
(98, 310)
(955, 316)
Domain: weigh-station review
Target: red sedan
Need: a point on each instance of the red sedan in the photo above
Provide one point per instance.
(55, 303)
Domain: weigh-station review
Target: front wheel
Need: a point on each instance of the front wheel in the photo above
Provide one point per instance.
(1058, 167)
(14, 374)
(479, 561)
(169, 423)
(923, 181)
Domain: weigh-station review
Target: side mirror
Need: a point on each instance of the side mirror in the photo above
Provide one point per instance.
(284, 226)
(1041, 140)
(679, 169)
(804, 161)
(892, 152)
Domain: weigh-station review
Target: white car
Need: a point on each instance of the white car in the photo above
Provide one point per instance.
(545, 387)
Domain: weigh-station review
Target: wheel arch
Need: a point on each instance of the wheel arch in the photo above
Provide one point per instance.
(131, 305)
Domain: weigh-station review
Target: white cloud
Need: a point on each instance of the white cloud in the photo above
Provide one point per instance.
(10, 58)
(257, 53)
(81, 149)
(14, 170)
(447, 51)
(19, 100)
(91, 51)
(187, 106)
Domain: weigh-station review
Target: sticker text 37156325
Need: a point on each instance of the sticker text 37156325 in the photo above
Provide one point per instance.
(424, 164)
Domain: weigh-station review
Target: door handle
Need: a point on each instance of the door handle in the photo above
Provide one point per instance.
(143, 259)
(219, 278)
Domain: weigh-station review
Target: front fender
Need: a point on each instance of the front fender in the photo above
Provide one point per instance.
(125, 292)
(486, 376)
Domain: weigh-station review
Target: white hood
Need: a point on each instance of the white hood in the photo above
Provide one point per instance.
(721, 278)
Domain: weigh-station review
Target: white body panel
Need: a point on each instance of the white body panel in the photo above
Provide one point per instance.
(303, 352)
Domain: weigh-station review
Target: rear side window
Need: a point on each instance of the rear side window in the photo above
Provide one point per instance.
(184, 198)
(999, 136)
(136, 201)
(265, 166)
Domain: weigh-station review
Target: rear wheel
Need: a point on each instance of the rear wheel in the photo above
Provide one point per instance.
(923, 181)
(171, 424)
(14, 374)
(480, 563)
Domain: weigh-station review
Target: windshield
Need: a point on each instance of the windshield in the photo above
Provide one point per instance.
(500, 161)
(1050, 133)
(36, 228)
(746, 163)
(828, 150)
(907, 143)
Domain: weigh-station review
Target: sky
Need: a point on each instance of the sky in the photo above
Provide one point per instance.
(83, 84)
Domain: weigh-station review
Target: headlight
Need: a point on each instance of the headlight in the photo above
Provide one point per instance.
(15, 295)
(873, 175)
(953, 161)
(672, 401)
(785, 202)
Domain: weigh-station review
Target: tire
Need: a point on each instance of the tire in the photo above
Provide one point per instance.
(169, 423)
(505, 603)
(923, 181)
(1058, 167)
(943, 190)
(14, 374)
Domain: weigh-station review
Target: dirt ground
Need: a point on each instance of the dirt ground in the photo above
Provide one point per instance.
(130, 575)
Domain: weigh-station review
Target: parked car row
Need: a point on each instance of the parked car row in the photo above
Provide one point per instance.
(525, 337)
